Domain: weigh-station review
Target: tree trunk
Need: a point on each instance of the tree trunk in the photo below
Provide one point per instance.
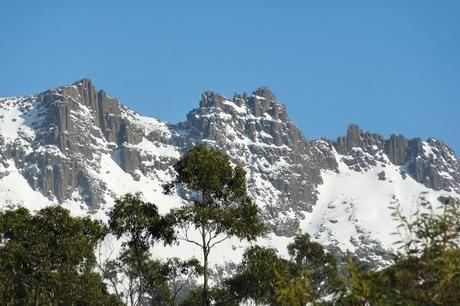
(37, 299)
(206, 301)
(206, 202)
(140, 300)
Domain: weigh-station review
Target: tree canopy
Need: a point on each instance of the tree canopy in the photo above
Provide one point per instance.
(220, 206)
(48, 259)
(140, 224)
(426, 271)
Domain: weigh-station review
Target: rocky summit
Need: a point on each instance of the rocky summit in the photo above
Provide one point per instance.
(80, 147)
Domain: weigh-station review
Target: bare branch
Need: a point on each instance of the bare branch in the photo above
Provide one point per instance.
(190, 241)
(187, 239)
(218, 241)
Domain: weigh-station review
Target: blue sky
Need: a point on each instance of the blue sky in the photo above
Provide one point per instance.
(389, 66)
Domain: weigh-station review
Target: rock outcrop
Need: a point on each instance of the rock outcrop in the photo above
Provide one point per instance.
(67, 125)
(430, 162)
(257, 133)
(66, 132)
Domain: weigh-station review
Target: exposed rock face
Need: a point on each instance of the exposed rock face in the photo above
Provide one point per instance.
(430, 162)
(256, 132)
(433, 164)
(362, 149)
(396, 149)
(67, 125)
(65, 134)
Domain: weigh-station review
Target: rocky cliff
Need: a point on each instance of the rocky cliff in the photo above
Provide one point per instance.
(77, 145)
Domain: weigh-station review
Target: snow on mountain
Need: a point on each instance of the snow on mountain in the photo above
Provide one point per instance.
(354, 212)
(81, 148)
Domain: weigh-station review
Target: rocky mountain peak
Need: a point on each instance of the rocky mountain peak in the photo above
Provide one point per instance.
(397, 149)
(70, 127)
(212, 99)
(357, 138)
(76, 144)
(258, 134)
(261, 103)
(264, 92)
(84, 82)
(429, 162)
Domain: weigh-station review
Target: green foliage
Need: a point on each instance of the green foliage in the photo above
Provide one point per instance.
(425, 272)
(179, 275)
(266, 278)
(141, 225)
(194, 298)
(221, 203)
(48, 259)
(294, 292)
(319, 265)
(209, 171)
(257, 275)
(362, 285)
(219, 296)
(221, 207)
(140, 222)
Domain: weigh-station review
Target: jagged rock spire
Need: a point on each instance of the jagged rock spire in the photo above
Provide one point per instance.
(265, 92)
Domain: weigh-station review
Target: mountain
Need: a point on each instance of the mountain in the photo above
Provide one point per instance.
(80, 147)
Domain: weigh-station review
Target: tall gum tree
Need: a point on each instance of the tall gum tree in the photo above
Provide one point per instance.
(220, 207)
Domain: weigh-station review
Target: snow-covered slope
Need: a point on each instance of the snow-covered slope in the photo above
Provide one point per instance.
(81, 148)
(355, 209)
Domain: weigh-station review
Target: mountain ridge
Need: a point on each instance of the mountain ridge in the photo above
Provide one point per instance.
(69, 142)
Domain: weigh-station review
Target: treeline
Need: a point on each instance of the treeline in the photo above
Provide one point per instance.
(49, 258)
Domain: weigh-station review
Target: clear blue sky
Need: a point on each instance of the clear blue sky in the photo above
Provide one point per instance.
(389, 66)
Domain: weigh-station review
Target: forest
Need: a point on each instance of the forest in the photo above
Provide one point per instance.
(49, 257)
